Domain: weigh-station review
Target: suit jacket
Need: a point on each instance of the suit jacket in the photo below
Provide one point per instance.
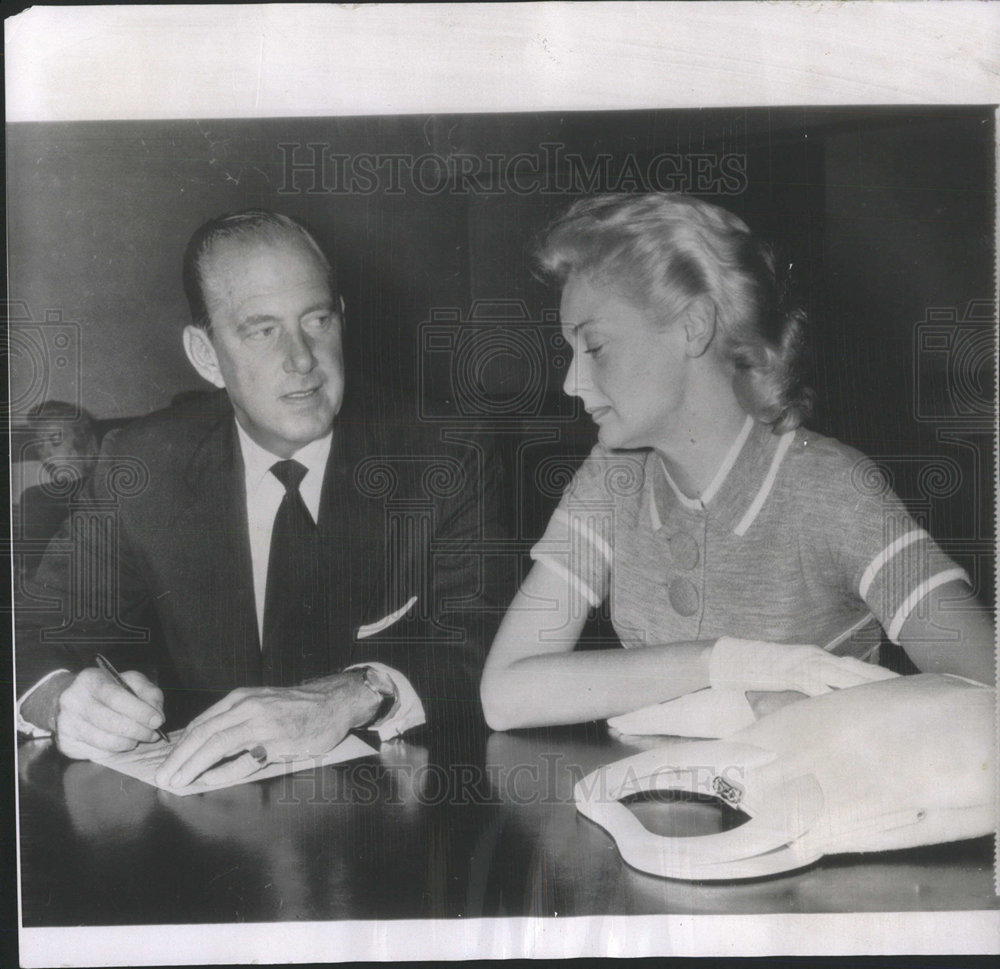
(41, 516)
(153, 567)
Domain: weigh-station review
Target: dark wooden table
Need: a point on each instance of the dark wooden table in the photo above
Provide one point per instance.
(478, 828)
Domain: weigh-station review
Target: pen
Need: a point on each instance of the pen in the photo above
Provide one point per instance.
(116, 676)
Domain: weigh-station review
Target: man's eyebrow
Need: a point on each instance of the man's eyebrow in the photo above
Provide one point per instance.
(255, 320)
(258, 319)
(574, 327)
(324, 304)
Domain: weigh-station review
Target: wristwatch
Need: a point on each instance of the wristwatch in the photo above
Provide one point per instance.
(382, 686)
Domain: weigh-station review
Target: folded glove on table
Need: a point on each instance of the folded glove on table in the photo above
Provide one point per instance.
(738, 666)
(889, 764)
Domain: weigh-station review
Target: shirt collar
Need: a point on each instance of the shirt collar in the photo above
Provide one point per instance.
(257, 461)
(732, 489)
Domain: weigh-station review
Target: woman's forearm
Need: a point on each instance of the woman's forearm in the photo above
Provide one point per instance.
(952, 633)
(573, 687)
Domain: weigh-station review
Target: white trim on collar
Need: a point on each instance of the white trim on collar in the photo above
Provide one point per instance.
(765, 489)
(654, 513)
(727, 463)
(681, 497)
(713, 486)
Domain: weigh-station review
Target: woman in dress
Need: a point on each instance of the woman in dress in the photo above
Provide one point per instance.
(736, 552)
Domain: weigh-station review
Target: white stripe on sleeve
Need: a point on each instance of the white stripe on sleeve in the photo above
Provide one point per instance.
(911, 601)
(587, 532)
(893, 548)
(575, 583)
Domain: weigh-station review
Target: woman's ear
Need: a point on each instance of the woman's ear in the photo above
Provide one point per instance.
(699, 326)
(200, 351)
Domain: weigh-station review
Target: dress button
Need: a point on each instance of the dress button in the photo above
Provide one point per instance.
(684, 550)
(683, 597)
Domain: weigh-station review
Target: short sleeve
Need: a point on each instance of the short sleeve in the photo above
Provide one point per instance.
(887, 559)
(578, 544)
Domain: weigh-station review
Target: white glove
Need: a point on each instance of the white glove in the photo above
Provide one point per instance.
(707, 713)
(745, 664)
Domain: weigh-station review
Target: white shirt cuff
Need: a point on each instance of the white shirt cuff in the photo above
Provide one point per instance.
(23, 726)
(408, 711)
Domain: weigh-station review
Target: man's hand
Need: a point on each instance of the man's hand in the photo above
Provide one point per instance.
(294, 721)
(95, 717)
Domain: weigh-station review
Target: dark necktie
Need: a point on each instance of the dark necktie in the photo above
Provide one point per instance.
(292, 575)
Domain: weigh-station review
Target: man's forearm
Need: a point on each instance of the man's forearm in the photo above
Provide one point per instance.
(41, 706)
(348, 691)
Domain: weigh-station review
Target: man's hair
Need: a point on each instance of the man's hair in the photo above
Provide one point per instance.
(666, 250)
(253, 226)
(76, 424)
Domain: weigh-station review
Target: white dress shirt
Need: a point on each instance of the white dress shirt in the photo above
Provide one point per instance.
(264, 494)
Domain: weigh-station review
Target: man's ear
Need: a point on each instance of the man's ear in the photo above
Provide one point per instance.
(200, 351)
(699, 326)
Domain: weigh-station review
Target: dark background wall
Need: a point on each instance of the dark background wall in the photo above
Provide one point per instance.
(886, 215)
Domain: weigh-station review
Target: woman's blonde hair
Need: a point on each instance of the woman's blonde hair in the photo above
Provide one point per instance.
(666, 250)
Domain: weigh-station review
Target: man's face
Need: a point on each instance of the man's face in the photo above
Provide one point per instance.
(275, 342)
(55, 443)
(61, 451)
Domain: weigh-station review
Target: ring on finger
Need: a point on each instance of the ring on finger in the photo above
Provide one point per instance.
(259, 754)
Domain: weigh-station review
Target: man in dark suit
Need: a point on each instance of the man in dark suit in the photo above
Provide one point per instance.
(297, 576)
(64, 440)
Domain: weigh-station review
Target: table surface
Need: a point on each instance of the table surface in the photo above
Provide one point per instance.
(478, 828)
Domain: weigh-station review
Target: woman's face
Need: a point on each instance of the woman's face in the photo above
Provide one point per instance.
(628, 368)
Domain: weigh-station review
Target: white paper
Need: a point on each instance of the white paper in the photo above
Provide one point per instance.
(269, 61)
(143, 762)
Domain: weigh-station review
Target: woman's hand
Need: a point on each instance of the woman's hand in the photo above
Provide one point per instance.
(745, 664)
